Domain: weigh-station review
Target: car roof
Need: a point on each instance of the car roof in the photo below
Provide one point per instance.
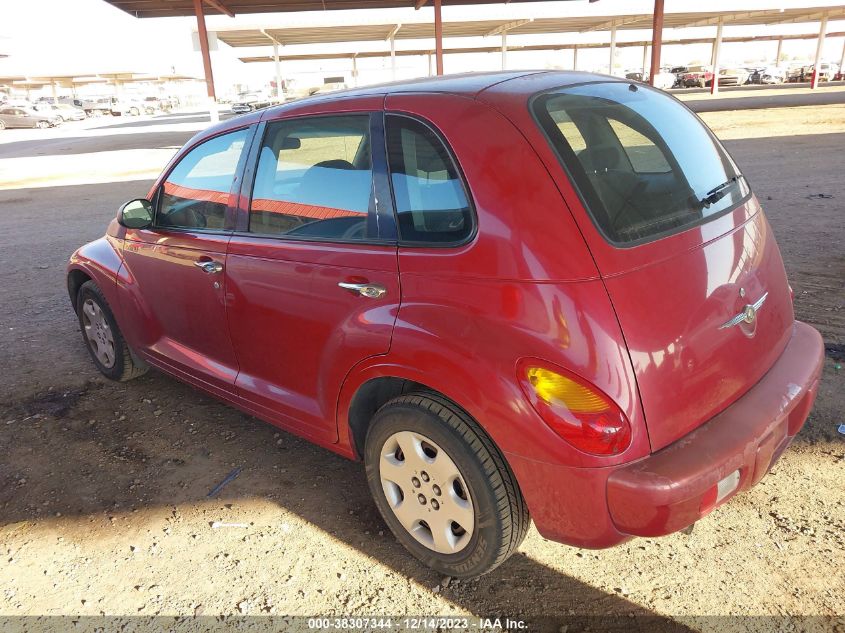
(464, 84)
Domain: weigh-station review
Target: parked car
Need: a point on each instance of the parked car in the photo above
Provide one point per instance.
(126, 107)
(697, 76)
(20, 116)
(799, 73)
(583, 316)
(772, 75)
(250, 101)
(62, 110)
(97, 106)
(664, 79)
(679, 72)
(754, 74)
(731, 77)
(156, 104)
(826, 71)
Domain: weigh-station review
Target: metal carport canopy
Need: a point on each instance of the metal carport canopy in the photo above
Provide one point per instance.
(526, 47)
(287, 36)
(175, 8)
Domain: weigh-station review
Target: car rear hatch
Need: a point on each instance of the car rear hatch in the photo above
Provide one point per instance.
(687, 256)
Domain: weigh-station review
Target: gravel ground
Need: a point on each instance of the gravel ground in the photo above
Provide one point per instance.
(103, 506)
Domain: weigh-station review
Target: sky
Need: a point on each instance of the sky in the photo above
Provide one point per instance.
(91, 36)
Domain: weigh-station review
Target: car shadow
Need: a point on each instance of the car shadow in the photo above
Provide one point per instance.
(155, 443)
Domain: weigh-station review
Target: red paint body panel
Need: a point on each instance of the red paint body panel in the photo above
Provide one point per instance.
(297, 334)
(687, 368)
(101, 260)
(280, 340)
(173, 312)
(662, 493)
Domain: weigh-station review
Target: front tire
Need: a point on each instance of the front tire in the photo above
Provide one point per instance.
(443, 487)
(42, 125)
(103, 337)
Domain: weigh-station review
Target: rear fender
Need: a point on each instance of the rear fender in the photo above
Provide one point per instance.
(467, 349)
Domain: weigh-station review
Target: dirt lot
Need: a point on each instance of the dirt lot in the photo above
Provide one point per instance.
(103, 507)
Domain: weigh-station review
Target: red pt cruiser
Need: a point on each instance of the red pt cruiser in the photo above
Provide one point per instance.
(548, 292)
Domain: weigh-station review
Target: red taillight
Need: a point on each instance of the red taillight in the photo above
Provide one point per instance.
(575, 409)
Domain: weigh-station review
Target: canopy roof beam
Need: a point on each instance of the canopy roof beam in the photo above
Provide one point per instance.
(216, 4)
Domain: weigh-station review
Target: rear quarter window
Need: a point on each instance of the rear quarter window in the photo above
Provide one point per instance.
(431, 201)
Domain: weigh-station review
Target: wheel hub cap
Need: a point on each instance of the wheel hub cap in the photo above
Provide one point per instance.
(98, 332)
(426, 492)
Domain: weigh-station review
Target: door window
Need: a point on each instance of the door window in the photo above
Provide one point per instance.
(431, 203)
(314, 179)
(196, 192)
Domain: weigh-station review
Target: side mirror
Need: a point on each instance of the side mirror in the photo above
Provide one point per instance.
(136, 214)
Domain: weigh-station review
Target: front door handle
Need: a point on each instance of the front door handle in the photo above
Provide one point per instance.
(208, 266)
(371, 291)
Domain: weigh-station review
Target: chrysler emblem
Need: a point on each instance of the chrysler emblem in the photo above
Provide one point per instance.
(748, 314)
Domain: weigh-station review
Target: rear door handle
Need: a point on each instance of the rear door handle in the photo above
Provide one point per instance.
(371, 291)
(209, 266)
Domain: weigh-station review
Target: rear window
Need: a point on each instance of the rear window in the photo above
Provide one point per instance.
(643, 163)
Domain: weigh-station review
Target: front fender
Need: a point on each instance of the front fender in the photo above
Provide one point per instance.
(99, 261)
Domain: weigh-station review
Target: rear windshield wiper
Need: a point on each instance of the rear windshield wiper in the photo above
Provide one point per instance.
(717, 193)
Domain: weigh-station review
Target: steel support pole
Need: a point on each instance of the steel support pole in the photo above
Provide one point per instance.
(429, 64)
(819, 51)
(393, 58)
(717, 49)
(504, 50)
(202, 35)
(438, 36)
(656, 40)
(842, 60)
(574, 58)
(612, 50)
(645, 59)
(278, 70)
(354, 71)
(777, 55)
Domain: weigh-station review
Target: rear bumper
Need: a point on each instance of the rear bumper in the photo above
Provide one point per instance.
(676, 486)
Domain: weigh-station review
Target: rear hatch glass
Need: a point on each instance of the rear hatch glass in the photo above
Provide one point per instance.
(648, 171)
(646, 166)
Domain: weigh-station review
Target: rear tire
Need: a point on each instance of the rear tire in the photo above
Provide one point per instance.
(41, 125)
(478, 488)
(103, 337)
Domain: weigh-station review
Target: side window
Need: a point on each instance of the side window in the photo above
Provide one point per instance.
(431, 203)
(314, 179)
(196, 193)
(645, 156)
